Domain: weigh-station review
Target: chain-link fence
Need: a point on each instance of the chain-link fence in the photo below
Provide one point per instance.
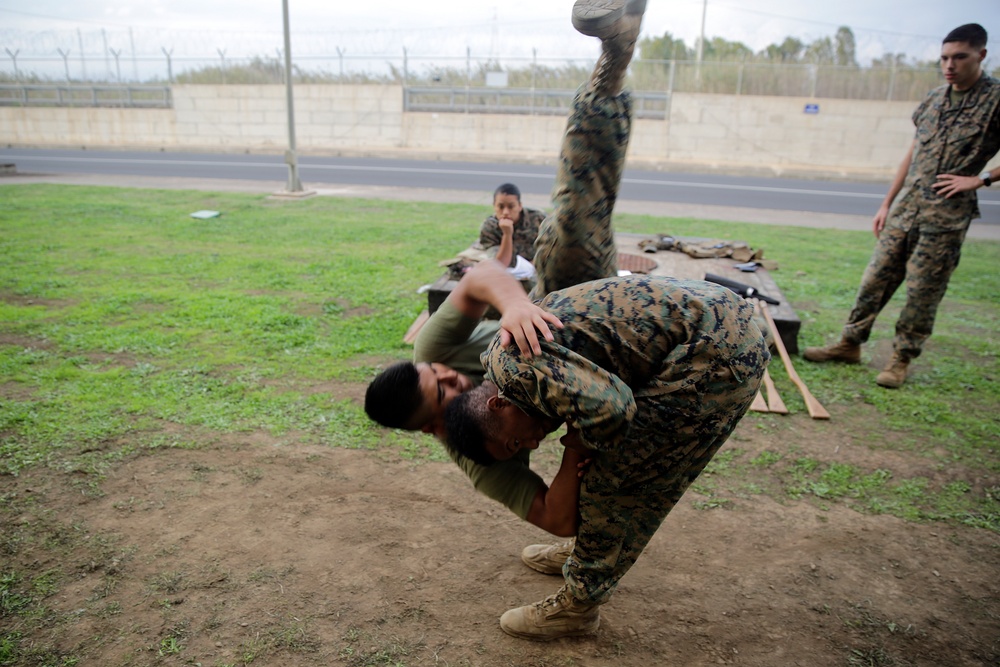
(896, 82)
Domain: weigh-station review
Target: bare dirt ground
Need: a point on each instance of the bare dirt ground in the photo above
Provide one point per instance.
(254, 551)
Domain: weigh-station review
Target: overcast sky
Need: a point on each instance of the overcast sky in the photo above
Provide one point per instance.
(448, 27)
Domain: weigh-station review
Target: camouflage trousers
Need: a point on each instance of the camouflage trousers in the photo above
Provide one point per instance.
(626, 495)
(576, 242)
(925, 260)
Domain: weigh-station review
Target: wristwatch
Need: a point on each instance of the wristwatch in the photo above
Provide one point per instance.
(987, 181)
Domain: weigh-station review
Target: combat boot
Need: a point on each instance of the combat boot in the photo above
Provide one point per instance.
(547, 558)
(894, 374)
(559, 615)
(617, 24)
(849, 353)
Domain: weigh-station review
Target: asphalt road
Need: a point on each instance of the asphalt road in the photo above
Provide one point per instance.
(755, 199)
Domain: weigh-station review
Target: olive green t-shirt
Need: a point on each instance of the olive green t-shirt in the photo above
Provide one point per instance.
(449, 337)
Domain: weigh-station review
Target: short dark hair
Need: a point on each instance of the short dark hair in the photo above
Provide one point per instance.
(465, 422)
(394, 395)
(972, 34)
(507, 189)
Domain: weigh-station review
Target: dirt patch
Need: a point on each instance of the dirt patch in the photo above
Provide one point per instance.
(251, 551)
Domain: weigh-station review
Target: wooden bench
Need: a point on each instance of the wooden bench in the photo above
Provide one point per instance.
(664, 263)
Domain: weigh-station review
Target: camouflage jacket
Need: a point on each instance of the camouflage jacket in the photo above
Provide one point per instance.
(525, 233)
(623, 340)
(957, 139)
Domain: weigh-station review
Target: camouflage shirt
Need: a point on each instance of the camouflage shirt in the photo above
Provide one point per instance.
(950, 139)
(525, 233)
(623, 340)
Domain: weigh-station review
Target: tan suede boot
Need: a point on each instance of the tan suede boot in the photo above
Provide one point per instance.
(894, 374)
(617, 23)
(547, 558)
(849, 353)
(559, 615)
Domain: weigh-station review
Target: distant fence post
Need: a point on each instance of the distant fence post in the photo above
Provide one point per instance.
(83, 56)
(534, 68)
(65, 57)
(222, 58)
(170, 65)
(118, 68)
(892, 80)
(13, 56)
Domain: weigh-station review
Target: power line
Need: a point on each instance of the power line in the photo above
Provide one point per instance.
(827, 24)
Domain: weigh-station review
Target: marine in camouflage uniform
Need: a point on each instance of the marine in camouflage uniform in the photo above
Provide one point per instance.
(957, 133)
(922, 240)
(525, 233)
(655, 373)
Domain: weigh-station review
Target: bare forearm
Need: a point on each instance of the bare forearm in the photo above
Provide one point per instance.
(899, 179)
(555, 509)
(506, 252)
(487, 284)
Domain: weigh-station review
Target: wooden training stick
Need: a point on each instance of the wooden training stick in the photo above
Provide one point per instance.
(815, 408)
(774, 402)
(759, 404)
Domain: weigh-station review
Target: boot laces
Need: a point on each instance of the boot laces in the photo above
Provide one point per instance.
(557, 599)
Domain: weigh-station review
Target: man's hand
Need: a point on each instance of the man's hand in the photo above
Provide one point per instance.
(522, 322)
(506, 226)
(573, 442)
(878, 222)
(950, 185)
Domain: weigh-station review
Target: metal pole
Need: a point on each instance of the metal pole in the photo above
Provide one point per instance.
(340, 56)
(534, 68)
(170, 67)
(701, 43)
(294, 185)
(892, 80)
(222, 57)
(13, 56)
(118, 68)
(83, 57)
(107, 63)
(135, 65)
(65, 57)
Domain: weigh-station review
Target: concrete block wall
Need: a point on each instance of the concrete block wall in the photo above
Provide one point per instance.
(845, 136)
(730, 133)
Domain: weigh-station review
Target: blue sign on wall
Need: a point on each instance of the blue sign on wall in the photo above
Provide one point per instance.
(812, 108)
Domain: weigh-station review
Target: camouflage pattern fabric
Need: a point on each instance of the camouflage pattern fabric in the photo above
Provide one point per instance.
(525, 233)
(922, 239)
(957, 139)
(656, 373)
(576, 243)
(925, 261)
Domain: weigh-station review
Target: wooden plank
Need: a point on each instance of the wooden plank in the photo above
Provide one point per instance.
(411, 333)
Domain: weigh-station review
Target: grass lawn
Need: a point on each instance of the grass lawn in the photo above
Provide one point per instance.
(120, 315)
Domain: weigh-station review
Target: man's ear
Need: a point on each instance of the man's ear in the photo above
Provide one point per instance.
(495, 403)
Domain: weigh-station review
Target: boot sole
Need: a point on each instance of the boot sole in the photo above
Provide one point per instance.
(891, 384)
(590, 17)
(544, 569)
(836, 359)
(541, 638)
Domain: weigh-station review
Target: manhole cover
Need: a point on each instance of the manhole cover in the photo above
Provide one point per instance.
(635, 263)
